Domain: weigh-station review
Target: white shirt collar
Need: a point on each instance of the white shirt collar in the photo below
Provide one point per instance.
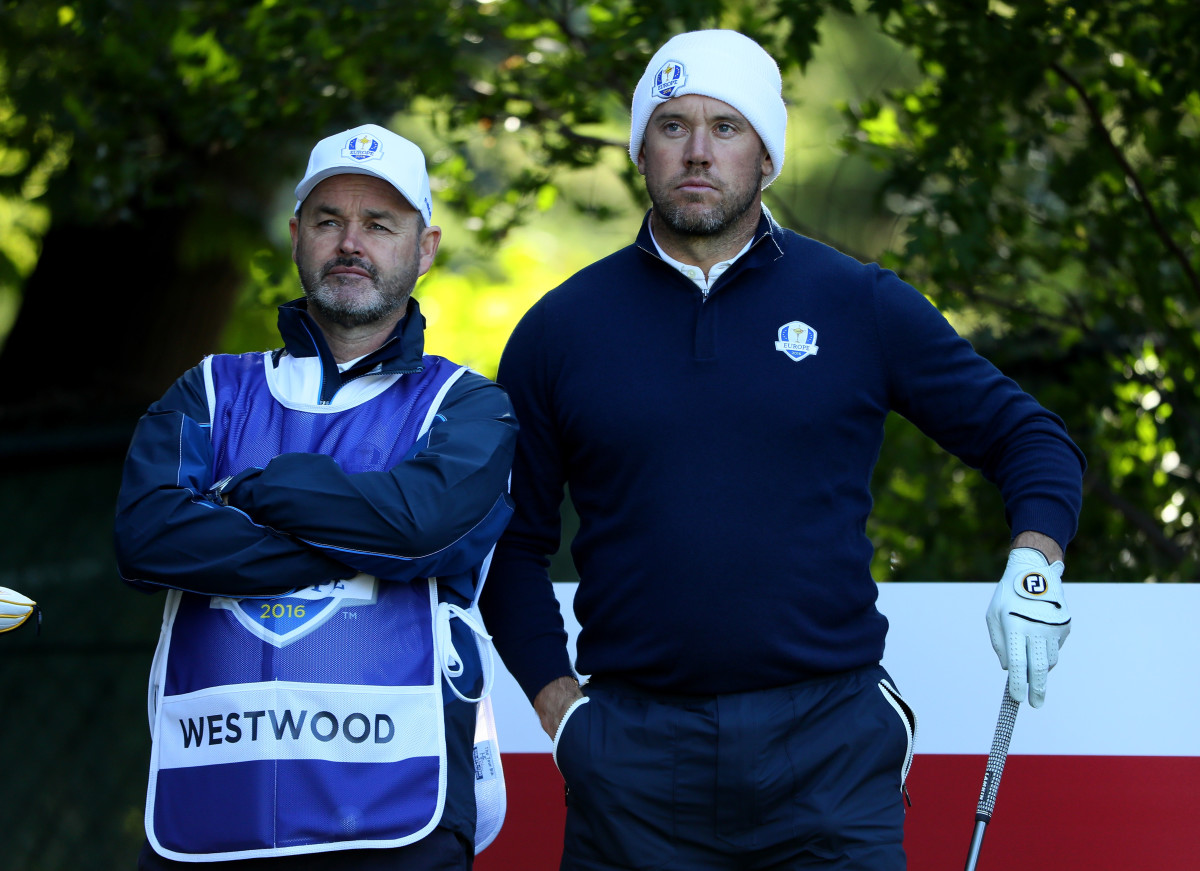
(695, 273)
(342, 367)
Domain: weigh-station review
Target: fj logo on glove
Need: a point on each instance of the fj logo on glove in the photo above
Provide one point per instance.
(1035, 584)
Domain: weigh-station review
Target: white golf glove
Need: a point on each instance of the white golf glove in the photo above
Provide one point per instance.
(1028, 621)
(14, 609)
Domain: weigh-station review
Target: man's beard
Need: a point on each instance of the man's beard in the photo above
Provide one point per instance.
(710, 221)
(389, 293)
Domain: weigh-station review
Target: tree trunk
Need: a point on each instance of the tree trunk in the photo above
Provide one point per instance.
(110, 317)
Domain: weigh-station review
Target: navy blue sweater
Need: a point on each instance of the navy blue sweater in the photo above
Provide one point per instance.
(722, 485)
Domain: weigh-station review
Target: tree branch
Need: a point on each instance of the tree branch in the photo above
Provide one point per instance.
(1136, 517)
(1156, 222)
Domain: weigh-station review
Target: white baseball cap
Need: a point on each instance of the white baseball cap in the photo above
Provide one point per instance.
(722, 64)
(371, 150)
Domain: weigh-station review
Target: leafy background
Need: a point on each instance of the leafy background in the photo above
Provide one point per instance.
(1030, 166)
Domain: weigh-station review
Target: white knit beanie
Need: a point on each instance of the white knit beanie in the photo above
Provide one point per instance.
(722, 64)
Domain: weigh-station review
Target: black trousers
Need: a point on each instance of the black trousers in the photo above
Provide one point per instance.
(801, 777)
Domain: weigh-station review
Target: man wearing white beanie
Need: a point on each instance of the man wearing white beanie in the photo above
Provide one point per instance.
(713, 399)
(320, 517)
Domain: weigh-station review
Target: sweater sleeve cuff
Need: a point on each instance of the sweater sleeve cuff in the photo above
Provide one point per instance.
(538, 664)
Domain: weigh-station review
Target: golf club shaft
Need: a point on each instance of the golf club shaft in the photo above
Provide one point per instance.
(991, 776)
(976, 845)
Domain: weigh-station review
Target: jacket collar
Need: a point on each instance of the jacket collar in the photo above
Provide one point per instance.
(402, 352)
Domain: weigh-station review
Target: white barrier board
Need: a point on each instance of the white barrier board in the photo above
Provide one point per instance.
(1124, 684)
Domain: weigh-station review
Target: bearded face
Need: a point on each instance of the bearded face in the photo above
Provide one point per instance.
(359, 248)
(704, 165)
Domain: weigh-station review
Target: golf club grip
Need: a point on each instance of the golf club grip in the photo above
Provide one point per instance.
(999, 752)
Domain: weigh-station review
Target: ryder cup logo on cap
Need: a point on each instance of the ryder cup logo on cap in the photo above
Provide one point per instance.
(363, 147)
(724, 65)
(371, 150)
(670, 77)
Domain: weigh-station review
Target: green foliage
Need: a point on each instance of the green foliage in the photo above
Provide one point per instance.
(1046, 166)
(153, 97)
(1040, 164)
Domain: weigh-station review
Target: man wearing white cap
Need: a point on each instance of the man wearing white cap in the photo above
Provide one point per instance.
(321, 517)
(713, 398)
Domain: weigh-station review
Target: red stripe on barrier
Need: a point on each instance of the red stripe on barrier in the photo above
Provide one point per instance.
(531, 839)
(1101, 813)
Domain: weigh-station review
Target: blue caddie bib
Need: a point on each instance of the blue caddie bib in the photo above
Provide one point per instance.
(312, 721)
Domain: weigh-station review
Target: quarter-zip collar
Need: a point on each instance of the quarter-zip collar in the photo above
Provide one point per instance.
(764, 248)
(697, 276)
(402, 352)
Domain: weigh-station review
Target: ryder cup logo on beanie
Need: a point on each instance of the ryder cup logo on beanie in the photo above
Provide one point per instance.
(722, 64)
(668, 79)
(371, 150)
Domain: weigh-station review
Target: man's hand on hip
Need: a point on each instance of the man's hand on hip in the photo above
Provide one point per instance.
(552, 701)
